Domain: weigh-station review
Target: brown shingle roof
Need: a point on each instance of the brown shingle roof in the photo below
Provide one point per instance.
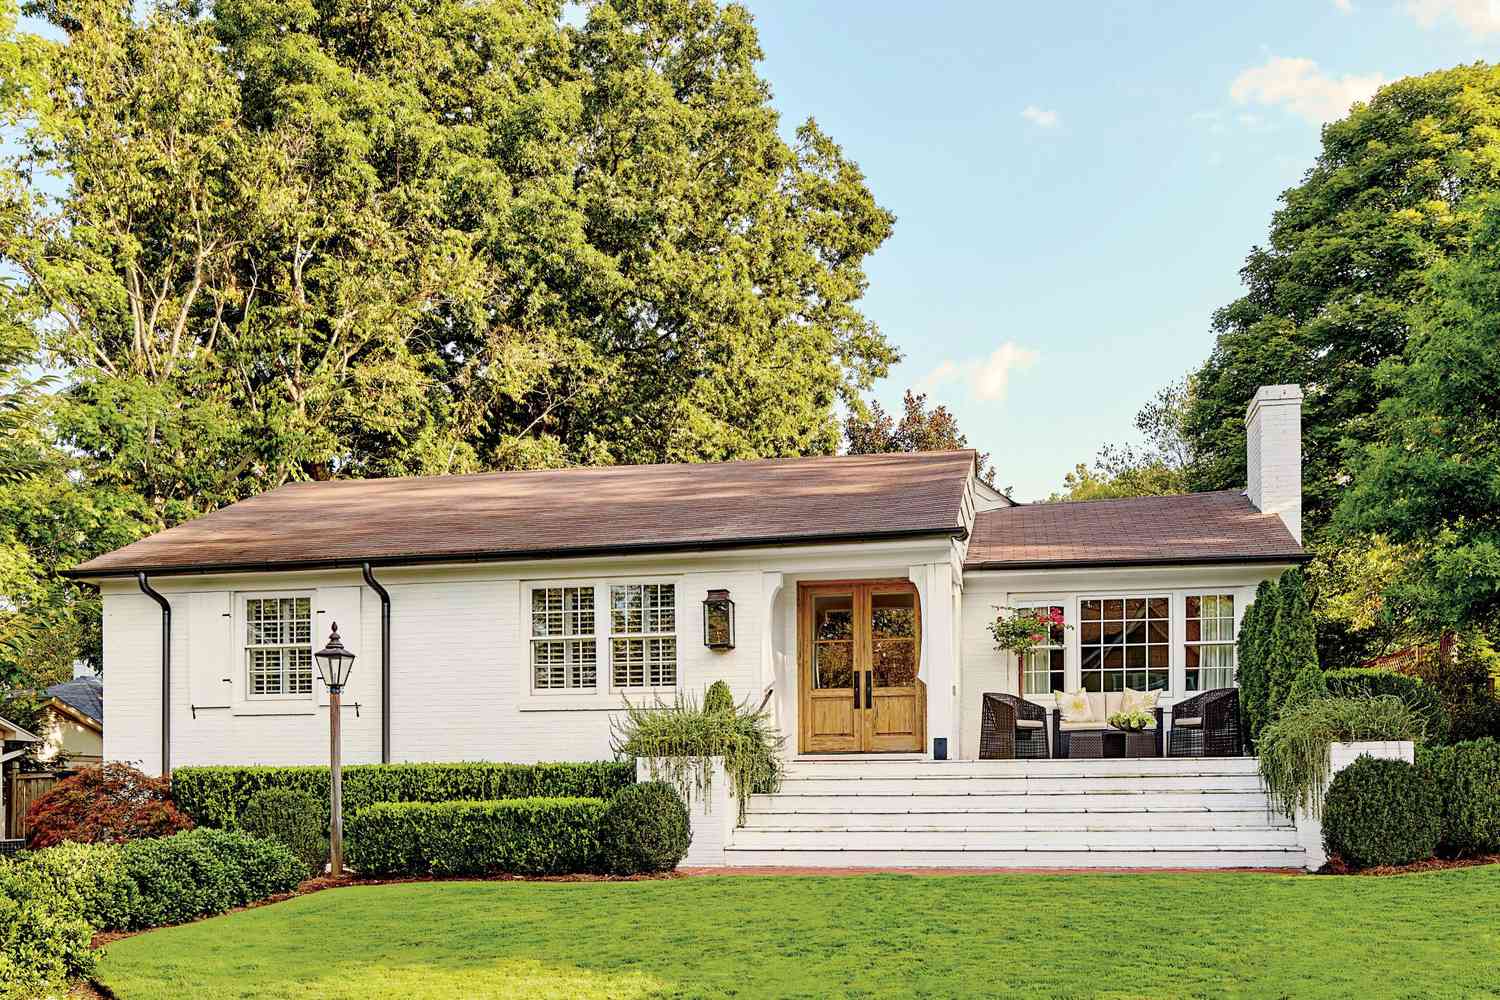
(564, 512)
(1192, 527)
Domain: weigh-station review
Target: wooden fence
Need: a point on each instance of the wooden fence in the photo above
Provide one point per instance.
(21, 791)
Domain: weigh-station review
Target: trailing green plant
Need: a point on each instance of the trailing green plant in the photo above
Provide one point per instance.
(1371, 682)
(1467, 777)
(547, 836)
(202, 872)
(218, 796)
(1294, 763)
(1020, 630)
(718, 698)
(291, 817)
(1381, 812)
(1255, 685)
(679, 740)
(645, 829)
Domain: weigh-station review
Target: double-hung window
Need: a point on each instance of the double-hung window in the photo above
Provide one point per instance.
(1043, 666)
(278, 646)
(563, 645)
(1209, 655)
(643, 635)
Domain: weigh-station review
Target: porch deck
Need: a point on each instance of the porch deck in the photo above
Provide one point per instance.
(915, 813)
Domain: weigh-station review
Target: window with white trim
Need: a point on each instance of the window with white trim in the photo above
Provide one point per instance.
(564, 654)
(643, 635)
(278, 646)
(1123, 642)
(1209, 653)
(1043, 667)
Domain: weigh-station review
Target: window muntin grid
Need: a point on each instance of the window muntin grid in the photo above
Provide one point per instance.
(1209, 644)
(1044, 667)
(278, 647)
(1124, 642)
(564, 653)
(643, 635)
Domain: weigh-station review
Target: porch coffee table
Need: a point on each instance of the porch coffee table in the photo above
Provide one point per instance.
(1097, 744)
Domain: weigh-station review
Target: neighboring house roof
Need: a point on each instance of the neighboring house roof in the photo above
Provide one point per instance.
(1217, 527)
(565, 512)
(84, 695)
(17, 734)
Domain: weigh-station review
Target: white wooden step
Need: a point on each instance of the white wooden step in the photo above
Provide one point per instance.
(1014, 840)
(866, 768)
(1061, 802)
(919, 785)
(1163, 819)
(1292, 858)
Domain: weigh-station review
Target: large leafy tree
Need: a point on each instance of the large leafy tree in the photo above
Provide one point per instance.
(1328, 297)
(1156, 467)
(1430, 479)
(282, 240)
(875, 432)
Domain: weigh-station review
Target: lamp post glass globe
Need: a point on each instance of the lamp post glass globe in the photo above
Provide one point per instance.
(334, 661)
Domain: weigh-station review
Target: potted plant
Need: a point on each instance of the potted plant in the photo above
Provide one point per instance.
(1131, 722)
(1020, 630)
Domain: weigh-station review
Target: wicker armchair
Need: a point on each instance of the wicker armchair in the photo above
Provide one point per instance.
(1207, 725)
(1012, 727)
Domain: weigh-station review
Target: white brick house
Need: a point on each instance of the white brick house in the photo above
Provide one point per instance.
(507, 616)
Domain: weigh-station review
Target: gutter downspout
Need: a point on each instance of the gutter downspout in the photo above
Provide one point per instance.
(166, 672)
(385, 663)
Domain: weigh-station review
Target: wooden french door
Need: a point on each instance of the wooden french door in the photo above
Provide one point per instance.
(857, 650)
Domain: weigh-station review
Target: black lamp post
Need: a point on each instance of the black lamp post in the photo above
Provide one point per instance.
(334, 664)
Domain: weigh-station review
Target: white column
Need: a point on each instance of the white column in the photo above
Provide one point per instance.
(770, 592)
(939, 663)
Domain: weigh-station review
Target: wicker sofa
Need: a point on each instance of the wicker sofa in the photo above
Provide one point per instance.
(1207, 725)
(1011, 728)
(1103, 705)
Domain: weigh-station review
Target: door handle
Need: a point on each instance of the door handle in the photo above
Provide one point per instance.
(869, 684)
(856, 690)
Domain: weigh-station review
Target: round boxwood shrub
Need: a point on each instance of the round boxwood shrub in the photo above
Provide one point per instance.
(644, 829)
(290, 817)
(1467, 777)
(1381, 812)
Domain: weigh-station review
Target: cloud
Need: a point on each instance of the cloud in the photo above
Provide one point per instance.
(1480, 17)
(987, 378)
(1344, 6)
(1038, 116)
(1302, 88)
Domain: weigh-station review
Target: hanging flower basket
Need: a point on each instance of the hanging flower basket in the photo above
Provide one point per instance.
(1020, 630)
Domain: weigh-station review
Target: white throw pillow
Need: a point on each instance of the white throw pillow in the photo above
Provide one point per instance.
(1075, 706)
(1139, 701)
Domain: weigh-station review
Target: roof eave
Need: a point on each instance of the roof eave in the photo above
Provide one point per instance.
(514, 555)
(1258, 560)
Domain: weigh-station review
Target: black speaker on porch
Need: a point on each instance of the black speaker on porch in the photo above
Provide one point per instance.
(940, 748)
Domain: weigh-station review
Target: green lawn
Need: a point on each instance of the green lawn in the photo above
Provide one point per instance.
(1430, 935)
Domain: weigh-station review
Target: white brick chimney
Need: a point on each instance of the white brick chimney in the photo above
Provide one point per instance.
(1273, 454)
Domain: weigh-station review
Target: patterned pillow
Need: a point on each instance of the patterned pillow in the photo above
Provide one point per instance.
(1074, 706)
(1139, 701)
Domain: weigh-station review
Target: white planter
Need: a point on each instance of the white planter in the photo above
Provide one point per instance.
(713, 815)
(1340, 756)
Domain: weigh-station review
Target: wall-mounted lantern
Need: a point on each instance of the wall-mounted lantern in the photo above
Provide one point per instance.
(718, 620)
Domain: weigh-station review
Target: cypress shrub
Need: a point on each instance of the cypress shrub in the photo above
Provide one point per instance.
(557, 836)
(1293, 643)
(1467, 777)
(292, 818)
(1381, 812)
(1255, 626)
(645, 829)
(218, 796)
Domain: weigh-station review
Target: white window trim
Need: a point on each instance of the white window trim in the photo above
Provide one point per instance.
(1233, 593)
(247, 703)
(532, 639)
(673, 635)
(603, 696)
(1174, 601)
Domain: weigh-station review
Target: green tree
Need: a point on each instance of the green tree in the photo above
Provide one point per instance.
(1251, 672)
(1430, 480)
(1327, 299)
(1156, 468)
(870, 430)
(1292, 646)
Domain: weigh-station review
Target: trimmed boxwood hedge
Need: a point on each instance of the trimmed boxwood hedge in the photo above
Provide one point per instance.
(533, 836)
(1467, 778)
(218, 796)
(1381, 812)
